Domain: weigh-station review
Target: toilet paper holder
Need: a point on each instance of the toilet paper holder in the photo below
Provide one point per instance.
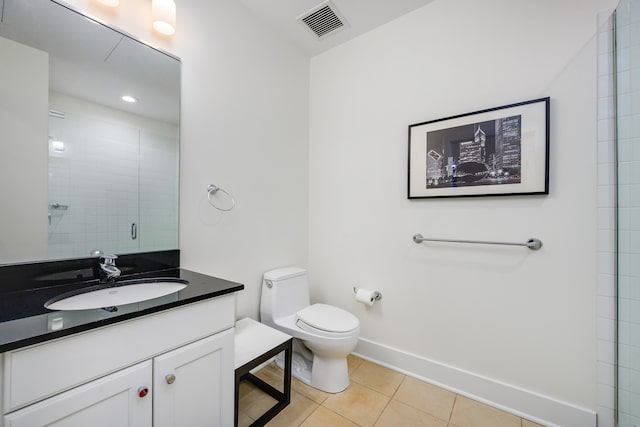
(376, 294)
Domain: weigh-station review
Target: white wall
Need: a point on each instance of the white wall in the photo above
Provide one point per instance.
(24, 86)
(509, 319)
(244, 127)
(521, 321)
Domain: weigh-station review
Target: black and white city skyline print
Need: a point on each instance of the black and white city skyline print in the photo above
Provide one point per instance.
(483, 153)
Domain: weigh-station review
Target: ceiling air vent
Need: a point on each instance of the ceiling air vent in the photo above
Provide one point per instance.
(323, 19)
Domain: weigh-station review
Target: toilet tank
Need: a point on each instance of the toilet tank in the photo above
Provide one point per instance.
(285, 291)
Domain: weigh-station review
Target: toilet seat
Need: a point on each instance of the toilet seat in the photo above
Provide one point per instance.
(327, 320)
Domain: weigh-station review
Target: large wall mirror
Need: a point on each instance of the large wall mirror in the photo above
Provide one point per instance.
(81, 169)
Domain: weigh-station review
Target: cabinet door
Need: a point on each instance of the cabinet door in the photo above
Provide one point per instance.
(194, 384)
(107, 402)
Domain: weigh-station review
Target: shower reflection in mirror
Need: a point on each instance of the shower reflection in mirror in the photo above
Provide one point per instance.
(111, 162)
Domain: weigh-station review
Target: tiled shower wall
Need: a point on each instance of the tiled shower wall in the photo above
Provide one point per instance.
(109, 177)
(628, 203)
(606, 223)
(158, 195)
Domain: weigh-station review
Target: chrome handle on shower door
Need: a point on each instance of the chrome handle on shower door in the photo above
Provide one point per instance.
(134, 231)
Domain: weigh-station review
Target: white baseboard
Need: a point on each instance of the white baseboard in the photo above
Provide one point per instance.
(527, 404)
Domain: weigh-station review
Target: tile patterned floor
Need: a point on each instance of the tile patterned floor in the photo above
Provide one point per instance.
(377, 397)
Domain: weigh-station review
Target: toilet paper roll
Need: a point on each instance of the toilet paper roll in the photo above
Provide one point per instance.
(366, 296)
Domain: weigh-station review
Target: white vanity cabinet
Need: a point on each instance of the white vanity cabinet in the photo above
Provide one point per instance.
(191, 386)
(172, 368)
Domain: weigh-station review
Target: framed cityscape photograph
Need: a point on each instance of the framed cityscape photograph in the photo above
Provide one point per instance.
(496, 152)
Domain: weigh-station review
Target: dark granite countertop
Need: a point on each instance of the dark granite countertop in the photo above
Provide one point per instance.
(30, 323)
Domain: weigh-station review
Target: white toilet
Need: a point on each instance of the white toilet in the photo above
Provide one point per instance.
(328, 333)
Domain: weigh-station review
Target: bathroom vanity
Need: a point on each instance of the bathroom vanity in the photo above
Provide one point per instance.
(162, 362)
(165, 361)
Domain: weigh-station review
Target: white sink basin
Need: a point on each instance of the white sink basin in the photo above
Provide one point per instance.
(123, 293)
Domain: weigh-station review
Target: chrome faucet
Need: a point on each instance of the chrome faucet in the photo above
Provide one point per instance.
(108, 267)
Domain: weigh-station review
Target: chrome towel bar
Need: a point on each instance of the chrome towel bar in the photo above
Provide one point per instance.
(533, 243)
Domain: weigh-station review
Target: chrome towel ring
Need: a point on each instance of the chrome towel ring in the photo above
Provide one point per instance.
(213, 189)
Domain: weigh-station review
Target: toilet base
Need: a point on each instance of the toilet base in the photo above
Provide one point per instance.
(300, 367)
(330, 375)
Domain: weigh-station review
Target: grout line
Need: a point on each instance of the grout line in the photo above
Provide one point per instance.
(310, 414)
(382, 412)
(404, 378)
(455, 400)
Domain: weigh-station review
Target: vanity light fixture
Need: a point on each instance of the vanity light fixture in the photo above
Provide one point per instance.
(110, 3)
(163, 13)
(129, 98)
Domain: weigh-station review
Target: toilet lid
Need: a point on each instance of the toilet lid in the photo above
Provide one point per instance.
(328, 318)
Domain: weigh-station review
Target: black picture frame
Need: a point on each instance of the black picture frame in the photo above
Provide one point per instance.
(502, 151)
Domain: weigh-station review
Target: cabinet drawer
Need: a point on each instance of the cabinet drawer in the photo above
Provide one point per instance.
(113, 400)
(36, 372)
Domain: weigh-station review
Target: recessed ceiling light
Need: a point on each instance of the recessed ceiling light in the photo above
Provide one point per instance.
(128, 98)
(57, 145)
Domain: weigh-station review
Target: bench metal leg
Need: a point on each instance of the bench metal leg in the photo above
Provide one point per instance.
(283, 398)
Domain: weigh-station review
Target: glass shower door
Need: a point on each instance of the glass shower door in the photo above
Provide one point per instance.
(628, 208)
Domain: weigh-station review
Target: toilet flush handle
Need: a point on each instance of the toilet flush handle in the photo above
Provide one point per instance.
(269, 283)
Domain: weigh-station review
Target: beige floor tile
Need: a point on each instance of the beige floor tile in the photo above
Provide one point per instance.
(272, 375)
(426, 397)
(294, 414)
(358, 403)
(527, 423)
(353, 362)
(245, 388)
(314, 394)
(255, 402)
(379, 378)
(323, 417)
(399, 414)
(469, 413)
(244, 420)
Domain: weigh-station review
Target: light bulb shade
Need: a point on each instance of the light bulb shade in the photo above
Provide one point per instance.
(163, 13)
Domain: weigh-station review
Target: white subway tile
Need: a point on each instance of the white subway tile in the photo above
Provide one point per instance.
(606, 417)
(605, 197)
(606, 352)
(606, 396)
(607, 311)
(606, 374)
